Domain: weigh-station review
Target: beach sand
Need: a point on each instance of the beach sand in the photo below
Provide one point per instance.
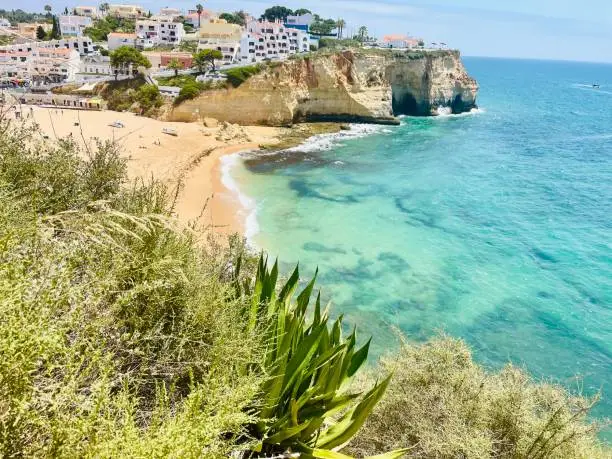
(192, 158)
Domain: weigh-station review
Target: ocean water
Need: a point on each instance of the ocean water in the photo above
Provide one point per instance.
(493, 226)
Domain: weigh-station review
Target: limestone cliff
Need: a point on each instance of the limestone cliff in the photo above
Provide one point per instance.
(357, 85)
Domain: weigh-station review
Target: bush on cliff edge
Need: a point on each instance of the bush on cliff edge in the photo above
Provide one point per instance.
(441, 404)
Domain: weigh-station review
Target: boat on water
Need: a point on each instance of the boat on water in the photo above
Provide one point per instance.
(595, 86)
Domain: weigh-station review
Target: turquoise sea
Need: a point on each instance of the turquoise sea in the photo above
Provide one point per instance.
(494, 226)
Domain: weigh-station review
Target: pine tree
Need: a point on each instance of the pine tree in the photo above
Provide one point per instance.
(55, 31)
(40, 33)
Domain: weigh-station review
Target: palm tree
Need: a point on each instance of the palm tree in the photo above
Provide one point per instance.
(199, 9)
(362, 33)
(48, 9)
(340, 24)
(104, 6)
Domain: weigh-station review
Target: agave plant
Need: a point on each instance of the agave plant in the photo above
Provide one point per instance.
(306, 407)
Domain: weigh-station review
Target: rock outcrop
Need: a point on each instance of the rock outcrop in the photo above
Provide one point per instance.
(356, 85)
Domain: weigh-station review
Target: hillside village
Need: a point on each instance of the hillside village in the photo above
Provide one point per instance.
(76, 46)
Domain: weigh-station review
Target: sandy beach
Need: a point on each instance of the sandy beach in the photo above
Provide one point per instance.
(192, 158)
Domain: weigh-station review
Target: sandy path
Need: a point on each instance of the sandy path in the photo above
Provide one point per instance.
(192, 156)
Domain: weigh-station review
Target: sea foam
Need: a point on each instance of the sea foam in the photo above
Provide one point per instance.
(324, 142)
(249, 205)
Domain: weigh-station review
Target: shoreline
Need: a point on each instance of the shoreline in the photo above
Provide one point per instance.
(304, 137)
(192, 160)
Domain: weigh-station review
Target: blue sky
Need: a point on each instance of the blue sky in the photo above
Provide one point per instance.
(549, 29)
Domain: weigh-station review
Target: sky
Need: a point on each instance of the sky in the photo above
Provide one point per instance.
(536, 29)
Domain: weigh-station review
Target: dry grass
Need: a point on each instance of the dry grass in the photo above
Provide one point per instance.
(443, 405)
(117, 331)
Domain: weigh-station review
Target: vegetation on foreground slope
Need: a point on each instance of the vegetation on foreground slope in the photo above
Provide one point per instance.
(122, 336)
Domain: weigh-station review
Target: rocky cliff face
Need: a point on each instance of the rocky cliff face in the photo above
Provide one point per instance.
(357, 85)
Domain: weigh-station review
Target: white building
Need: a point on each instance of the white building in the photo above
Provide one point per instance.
(271, 40)
(40, 65)
(194, 20)
(83, 45)
(160, 30)
(88, 11)
(126, 11)
(116, 40)
(399, 41)
(95, 65)
(218, 34)
(4, 23)
(300, 22)
(72, 25)
(170, 12)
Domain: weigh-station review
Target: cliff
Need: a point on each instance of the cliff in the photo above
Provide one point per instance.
(366, 85)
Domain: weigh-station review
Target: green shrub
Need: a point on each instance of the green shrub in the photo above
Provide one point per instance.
(441, 404)
(239, 75)
(118, 332)
(149, 97)
(179, 81)
(188, 91)
(100, 29)
(54, 178)
(332, 43)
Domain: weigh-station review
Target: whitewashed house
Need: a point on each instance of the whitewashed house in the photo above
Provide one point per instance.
(40, 65)
(88, 11)
(95, 65)
(399, 41)
(271, 40)
(126, 11)
(158, 31)
(222, 36)
(73, 26)
(172, 12)
(83, 45)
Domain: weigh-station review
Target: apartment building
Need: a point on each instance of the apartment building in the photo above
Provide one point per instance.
(116, 40)
(82, 45)
(126, 11)
(4, 23)
(73, 26)
(158, 31)
(40, 65)
(222, 36)
(95, 65)
(271, 40)
(88, 11)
